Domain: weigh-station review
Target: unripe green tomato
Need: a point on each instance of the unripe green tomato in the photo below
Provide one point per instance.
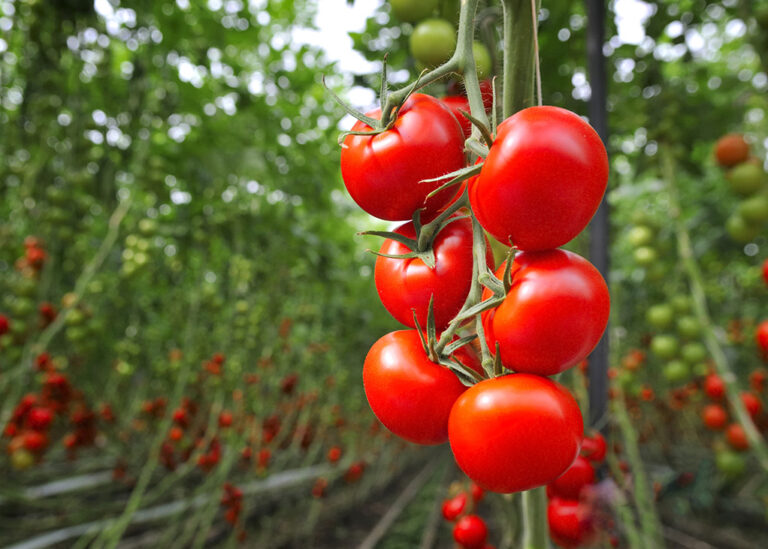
(140, 259)
(660, 316)
(739, 230)
(19, 326)
(693, 352)
(729, 463)
(745, 178)
(676, 371)
(688, 326)
(6, 340)
(641, 217)
(655, 272)
(433, 42)
(241, 306)
(754, 210)
(645, 255)
(640, 235)
(75, 317)
(626, 379)
(482, 60)
(22, 459)
(411, 11)
(681, 304)
(147, 226)
(21, 306)
(664, 346)
(142, 244)
(131, 240)
(76, 333)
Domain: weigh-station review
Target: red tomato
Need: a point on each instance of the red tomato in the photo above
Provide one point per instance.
(761, 336)
(454, 507)
(5, 324)
(714, 417)
(40, 418)
(470, 532)
(515, 432)
(570, 523)
(736, 437)
(576, 477)
(382, 172)
(731, 149)
(456, 103)
(594, 447)
(752, 404)
(477, 493)
(542, 180)
(757, 380)
(714, 386)
(411, 395)
(405, 284)
(765, 271)
(553, 315)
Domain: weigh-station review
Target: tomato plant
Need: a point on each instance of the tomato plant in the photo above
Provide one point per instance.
(433, 41)
(542, 180)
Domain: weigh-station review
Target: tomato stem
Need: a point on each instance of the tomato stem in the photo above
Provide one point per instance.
(535, 529)
(518, 56)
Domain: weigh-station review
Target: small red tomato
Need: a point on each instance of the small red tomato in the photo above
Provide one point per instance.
(765, 271)
(714, 386)
(175, 434)
(453, 507)
(383, 172)
(180, 417)
(714, 417)
(477, 493)
(736, 437)
(334, 454)
(752, 404)
(757, 380)
(731, 149)
(411, 395)
(543, 179)
(570, 523)
(5, 324)
(528, 427)
(761, 336)
(470, 532)
(408, 283)
(34, 441)
(39, 418)
(225, 419)
(553, 315)
(570, 484)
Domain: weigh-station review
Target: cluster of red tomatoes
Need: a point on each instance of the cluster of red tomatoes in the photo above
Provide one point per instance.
(748, 180)
(232, 502)
(30, 425)
(469, 530)
(542, 180)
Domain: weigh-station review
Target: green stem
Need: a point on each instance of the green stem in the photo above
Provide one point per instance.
(695, 280)
(535, 530)
(518, 56)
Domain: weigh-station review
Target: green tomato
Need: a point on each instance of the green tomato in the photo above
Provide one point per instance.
(754, 210)
(22, 459)
(676, 371)
(411, 11)
(640, 235)
(645, 255)
(739, 230)
(660, 316)
(745, 178)
(693, 352)
(688, 326)
(664, 346)
(730, 464)
(681, 304)
(433, 42)
(482, 60)
(147, 226)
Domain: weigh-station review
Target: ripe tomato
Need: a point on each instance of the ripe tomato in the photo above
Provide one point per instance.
(515, 432)
(731, 149)
(456, 103)
(714, 417)
(554, 313)
(433, 41)
(752, 404)
(407, 284)
(736, 437)
(576, 477)
(570, 523)
(765, 271)
(470, 532)
(382, 172)
(761, 336)
(411, 395)
(714, 386)
(542, 180)
(594, 447)
(454, 506)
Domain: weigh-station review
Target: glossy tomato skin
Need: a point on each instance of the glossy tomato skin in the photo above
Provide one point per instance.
(382, 172)
(410, 395)
(554, 313)
(570, 523)
(542, 180)
(470, 532)
(594, 447)
(761, 337)
(570, 484)
(459, 103)
(714, 417)
(405, 284)
(515, 432)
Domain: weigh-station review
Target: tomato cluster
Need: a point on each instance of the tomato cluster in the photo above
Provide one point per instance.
(469, 530)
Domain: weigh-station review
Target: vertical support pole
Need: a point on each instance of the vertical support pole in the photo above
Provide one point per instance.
(599, 226)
